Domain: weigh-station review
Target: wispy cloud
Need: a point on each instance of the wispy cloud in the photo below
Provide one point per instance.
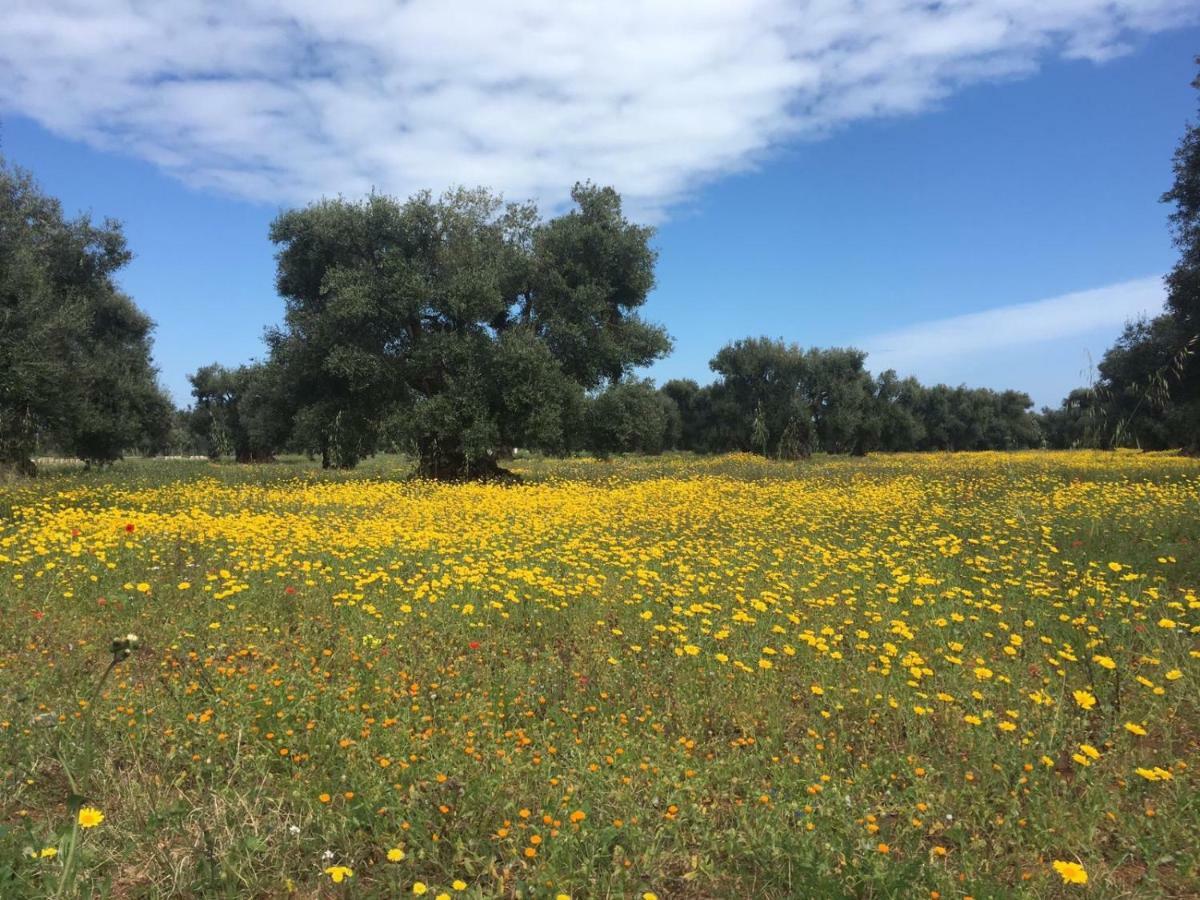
(286, 101)
(928, 346)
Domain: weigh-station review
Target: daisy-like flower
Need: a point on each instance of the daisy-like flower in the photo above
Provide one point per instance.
(339, 873)
(90, 817)
(1085, 699)
(1071, 873)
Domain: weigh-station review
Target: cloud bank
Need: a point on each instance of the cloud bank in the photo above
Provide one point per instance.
(284, 102)
(930, 345)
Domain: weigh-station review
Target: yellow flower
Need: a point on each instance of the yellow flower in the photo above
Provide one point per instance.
(458, 884)
(339, 873)
(1085, 699)
(1072, 873)
(395, 854)
(649, 895)
(1155, 774)
(1133, 728)
(90, 817)
(48, 852)
(419, 888)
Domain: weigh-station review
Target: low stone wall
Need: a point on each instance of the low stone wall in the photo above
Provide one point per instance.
(71, 461)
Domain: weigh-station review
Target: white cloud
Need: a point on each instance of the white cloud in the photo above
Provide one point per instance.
(286, 101)
(943, 343)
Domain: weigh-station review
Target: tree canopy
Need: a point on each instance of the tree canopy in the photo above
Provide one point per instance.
(457, 326)
(1148, 391)
(787, 402)
(75, 367)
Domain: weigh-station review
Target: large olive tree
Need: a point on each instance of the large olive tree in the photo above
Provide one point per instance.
(75, 368)
(460, 325)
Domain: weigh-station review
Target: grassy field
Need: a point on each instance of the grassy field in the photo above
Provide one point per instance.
(910, 676)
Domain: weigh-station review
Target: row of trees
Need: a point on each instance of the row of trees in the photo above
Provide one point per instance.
(1148, 390)
(770, 398)
(460, 327)
(456, 329)
(784, 402)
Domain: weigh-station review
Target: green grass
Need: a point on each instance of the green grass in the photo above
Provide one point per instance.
(751, 678)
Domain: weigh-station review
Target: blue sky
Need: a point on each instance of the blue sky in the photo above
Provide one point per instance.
(977, 203)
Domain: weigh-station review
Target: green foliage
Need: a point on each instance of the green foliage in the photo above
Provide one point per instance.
(239, 412)
(962, 418)
(1141, 398)
(457, 327)
(1183, 282)
(632, 417)
(781, 401)
(75, 369)
(1148, 393)
(761, 397)
(896, 423)
(693, 408)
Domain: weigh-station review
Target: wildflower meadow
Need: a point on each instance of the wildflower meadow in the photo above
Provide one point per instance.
(932, 676)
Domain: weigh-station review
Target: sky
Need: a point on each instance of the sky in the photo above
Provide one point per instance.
(966, 189)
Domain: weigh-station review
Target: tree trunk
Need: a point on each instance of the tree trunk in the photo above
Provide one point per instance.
(442, 463)
(21, 468)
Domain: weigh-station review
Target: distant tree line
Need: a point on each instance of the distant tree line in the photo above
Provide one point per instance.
(784, 402)
(455, 329)
(770, 398)
(459, 328)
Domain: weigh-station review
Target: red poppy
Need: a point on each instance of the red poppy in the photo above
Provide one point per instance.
(38, 614)
(129, 527)
(289, 590)
(474, 645)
